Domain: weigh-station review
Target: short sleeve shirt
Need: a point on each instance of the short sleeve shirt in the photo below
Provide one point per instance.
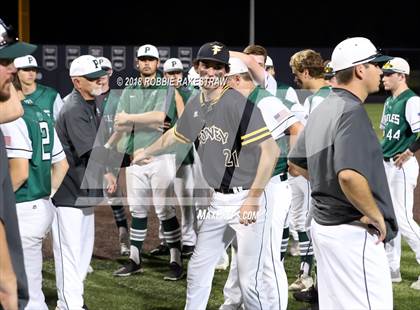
(229, 132)
(76, 128)
(9, 218)
(339, 136)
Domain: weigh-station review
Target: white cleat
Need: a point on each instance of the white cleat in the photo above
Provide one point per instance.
(416, 285)
(301, 283)
(90, 269)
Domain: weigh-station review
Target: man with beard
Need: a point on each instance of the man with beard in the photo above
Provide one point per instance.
(140, 116)
(73, 228)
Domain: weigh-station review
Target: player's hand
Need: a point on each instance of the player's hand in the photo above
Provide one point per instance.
(379, 225)
(8, 290)
(248, 211)
(111, 182)
(141, 158)
(401, 158)
(122, 118)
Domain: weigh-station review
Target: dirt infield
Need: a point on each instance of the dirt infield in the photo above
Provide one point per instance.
(106, 234)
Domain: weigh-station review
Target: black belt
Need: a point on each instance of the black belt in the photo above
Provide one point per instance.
(230, 190)
(388, 159)
(283, 176)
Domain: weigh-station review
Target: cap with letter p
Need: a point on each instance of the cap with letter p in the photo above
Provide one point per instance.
(148, 50)
(105, 63)
(355, 51)
(87, 66)
(173, 64)
(396, 65)
(27, 61)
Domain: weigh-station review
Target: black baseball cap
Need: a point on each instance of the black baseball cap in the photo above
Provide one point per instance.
(10, 47)
(214, 51)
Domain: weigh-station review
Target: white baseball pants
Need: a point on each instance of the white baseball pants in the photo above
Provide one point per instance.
(152, 184)
(73, 237)
(353, 271)
(215, 234)
(401, 185)
(35, 219)
(275, 278)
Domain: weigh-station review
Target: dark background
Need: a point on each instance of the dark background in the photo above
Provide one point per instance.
(278, 23)
(284, 27)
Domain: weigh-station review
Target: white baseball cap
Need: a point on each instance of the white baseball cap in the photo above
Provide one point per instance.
(86, 66)
(269, 62)
(105, 63)
(355, 51)
(237, 66)
(172, 64)
(396, 65)
(27, 61)
(148, 50)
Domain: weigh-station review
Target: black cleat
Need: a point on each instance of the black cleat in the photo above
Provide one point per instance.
(129, 269)
(309, 295)
(176, 272)
(161, 250)
(187, 251)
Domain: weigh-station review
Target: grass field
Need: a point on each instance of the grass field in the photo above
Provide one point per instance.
(149, 292)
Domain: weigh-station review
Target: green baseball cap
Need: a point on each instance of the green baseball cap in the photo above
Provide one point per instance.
(10, 47)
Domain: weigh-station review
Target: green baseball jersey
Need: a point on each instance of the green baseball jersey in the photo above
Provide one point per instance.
(136, 100)
(283, 119)
(32, 137)
(46, 98)
(400, 122)
(184, 152)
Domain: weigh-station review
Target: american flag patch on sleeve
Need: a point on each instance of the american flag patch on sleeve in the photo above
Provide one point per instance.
(282, 115)
(7, 140)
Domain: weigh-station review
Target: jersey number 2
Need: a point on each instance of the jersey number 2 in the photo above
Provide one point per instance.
(45, 140)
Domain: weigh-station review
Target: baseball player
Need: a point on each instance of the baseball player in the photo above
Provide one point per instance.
(74, 226)
(401, 124)
(308, 68)
(254, 56)
(37, 166)
(236, 151)
(279, 120)
(13, 282)
(284, 91)
(47, 98)
(184, 183)
(142, 109)
(352, 211)
(288, 96)
(107, 104)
